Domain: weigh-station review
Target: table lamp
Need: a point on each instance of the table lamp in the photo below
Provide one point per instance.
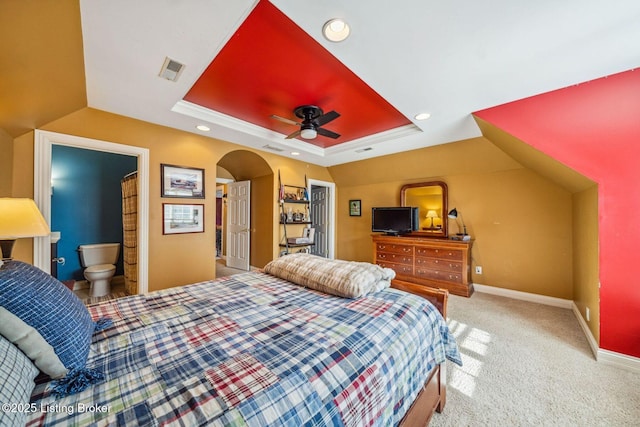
(432, 214)
(454, 214)
(19, 218)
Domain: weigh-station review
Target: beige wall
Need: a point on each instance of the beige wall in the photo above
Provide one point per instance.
(173, 259)
(6, 163)
(521, 222)
(586, 292)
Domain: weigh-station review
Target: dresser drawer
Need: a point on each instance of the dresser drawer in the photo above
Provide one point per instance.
(445, 276)
(394, 248)
(427, 261)
(439, 264)
(395, 258)
(400, 269)
(443, 253)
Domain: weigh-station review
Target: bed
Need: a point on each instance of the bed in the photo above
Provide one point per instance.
(254, 349)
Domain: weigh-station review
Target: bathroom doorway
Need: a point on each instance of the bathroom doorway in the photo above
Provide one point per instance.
(86, 205)
(44, 143)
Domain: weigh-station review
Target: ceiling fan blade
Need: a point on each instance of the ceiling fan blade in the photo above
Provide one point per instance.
(294, 135)
(326, 118)
(287, 121)
(328, 133)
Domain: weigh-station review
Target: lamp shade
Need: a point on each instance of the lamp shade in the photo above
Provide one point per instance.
(21, 218)
(453, 213)
(432, 214)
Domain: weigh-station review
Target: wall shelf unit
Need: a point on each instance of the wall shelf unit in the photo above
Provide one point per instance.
(294, 211)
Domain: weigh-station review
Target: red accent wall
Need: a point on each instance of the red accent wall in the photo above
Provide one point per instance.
(594, 128)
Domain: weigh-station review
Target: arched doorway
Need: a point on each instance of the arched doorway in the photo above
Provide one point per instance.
(244, 165)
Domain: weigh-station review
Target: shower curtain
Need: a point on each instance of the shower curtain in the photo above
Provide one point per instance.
(130, 232)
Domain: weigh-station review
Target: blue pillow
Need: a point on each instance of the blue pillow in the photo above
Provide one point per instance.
(45, 304)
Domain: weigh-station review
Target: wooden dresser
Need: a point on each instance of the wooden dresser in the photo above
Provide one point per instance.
(437, 263)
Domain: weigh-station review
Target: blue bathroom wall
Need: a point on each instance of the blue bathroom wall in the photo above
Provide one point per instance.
(86, 202)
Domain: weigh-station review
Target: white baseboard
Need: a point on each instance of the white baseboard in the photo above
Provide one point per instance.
(525, 296)
(621, 361)
(585, 329)
(606, 357)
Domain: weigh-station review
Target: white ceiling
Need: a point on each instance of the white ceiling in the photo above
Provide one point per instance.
(446, 58)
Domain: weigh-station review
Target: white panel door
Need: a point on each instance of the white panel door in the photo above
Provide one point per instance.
(238, 224)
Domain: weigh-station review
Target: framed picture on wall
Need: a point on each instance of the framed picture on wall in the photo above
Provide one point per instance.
(179, 219)
(355, 208)
(180, 181)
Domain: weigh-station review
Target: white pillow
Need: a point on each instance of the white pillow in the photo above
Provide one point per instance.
(31, 343)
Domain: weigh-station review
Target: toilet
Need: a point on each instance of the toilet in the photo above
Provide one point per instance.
(99, 261)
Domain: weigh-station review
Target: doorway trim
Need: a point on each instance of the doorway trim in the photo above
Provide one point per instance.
(331, 232)
(43, 141)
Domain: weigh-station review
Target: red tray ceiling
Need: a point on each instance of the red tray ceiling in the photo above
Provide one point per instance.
(271, 66)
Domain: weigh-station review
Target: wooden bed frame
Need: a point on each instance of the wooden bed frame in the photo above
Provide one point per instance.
(434, 392)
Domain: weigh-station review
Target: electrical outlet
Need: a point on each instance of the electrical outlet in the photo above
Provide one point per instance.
(587, 314)
(478, 269)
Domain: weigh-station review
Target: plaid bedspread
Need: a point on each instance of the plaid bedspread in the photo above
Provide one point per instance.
(252, 349)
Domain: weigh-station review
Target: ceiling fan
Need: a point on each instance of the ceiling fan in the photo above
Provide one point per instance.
(313, 118)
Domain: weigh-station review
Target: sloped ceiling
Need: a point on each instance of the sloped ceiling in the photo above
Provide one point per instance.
(448, 59)
(444, 58)
(41, 63)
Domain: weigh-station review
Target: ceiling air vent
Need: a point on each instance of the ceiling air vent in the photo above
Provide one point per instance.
(362, 150)
(171, 69)
(273, 148)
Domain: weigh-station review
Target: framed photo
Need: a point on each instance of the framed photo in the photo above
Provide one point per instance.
(179, 181)
(355, 208)
(178, 219)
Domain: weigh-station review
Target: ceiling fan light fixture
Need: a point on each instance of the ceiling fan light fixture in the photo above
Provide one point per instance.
(203, 128)
(336, 30)
(308, 133)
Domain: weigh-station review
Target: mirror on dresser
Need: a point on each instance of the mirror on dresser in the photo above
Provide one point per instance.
(431, 200)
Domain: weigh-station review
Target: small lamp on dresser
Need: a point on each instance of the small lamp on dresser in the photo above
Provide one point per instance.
(454, 214)
(19, 218)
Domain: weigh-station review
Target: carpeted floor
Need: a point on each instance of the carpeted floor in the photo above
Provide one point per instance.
(222, 270)
(527, 364)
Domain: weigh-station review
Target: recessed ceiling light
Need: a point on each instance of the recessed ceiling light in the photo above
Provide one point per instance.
(295, 153)
(422, 116)
(336, 30)
(203, 128)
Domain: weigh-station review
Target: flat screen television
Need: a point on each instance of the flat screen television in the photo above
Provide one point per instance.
(394, 220)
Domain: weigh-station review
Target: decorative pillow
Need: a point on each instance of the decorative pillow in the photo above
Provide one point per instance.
(16, 383)
(31, 343)
(48, 306)
(348, 279)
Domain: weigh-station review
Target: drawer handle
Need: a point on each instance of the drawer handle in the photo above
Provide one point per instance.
(406, 249)
(436, 261)
(382, 255)
(381, 246)
(450, 253)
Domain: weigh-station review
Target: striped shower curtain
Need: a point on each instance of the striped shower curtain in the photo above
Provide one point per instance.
(130, 232)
